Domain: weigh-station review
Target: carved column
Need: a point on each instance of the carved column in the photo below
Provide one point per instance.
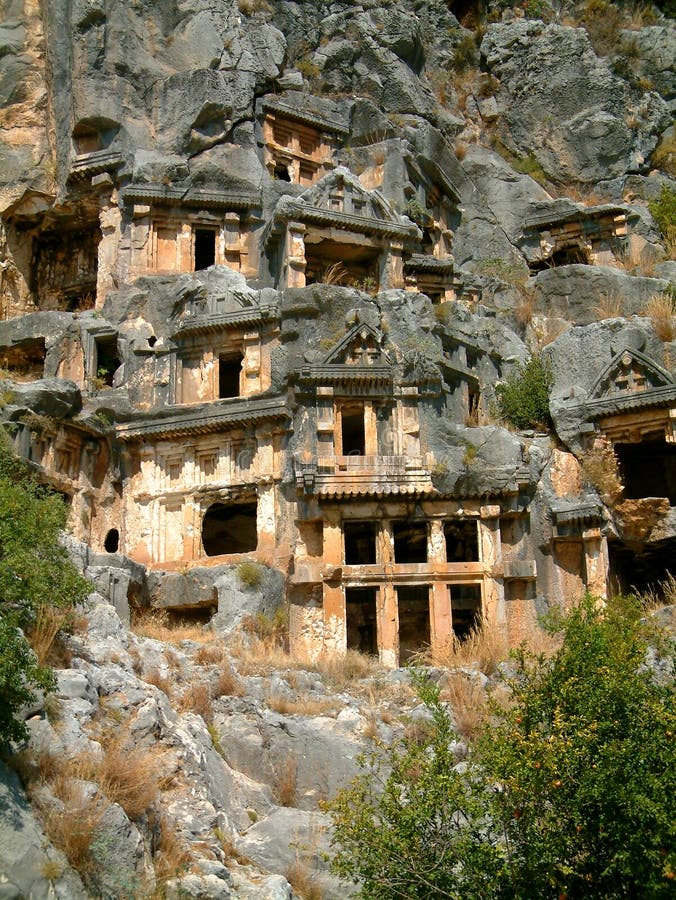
(440, 603)
(490, 547)
(295, 255)
(595, 561)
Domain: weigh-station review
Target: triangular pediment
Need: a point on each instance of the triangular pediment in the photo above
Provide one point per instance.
(361, 346)
(630, 371)
(341, 192)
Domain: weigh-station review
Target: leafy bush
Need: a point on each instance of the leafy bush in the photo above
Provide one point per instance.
(663, 211)
(569, 790)
(523, 398)
(35, 575)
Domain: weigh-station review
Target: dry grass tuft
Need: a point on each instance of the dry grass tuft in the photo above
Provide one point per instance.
(42, 635)
(661, 309)
(484, 647)
(209, 655)
(468, 700)
(302, 705)
(73, 829)
(303, 881)
(156, 678)
(227, 684)
(343, 670)
(129, 776)
(610, 306)
(523, 311)
(172, 854)
(158, 625)
(197, 698)
(664, 594)
(285, 784)
(601, 469)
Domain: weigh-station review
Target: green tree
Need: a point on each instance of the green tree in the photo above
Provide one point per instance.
(523, 398)
(35, 573)
(569, 794)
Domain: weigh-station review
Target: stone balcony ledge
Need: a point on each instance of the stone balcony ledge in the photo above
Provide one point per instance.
(364, 475)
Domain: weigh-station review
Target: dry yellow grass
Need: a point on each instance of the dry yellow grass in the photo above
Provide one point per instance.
(197, 698)
(484, 647)
(129, 776)
(468, 700)
(227, 684)
(158, 625)
(609, 306)
(285, 784)
(172, 854)
(210, 654)
(601, 469)
(155, 678)
(302, 705)
(661, 310)
(303, 881)
(41, 636)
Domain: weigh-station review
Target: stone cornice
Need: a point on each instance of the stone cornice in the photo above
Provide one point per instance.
(169, 196)
(220, 415)
(307, 117)
(254, 315)
(418, 262)
(87, 164)
(618, 403)
(299, 211)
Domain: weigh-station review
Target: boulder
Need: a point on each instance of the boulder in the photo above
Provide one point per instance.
(30, 866)
(565, 107)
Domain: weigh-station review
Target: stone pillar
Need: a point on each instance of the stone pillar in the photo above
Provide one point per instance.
(335, 630)
(186, 250)
(110, 219)
(387, 611)
(596, 561)
(392, 267)
(388, 626)
(266, 519)
(370, 429)
(440, 602)
(250, 378)
(490, 548)
(295, 255)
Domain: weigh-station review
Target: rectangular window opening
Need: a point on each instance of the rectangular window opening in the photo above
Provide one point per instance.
(360, 543)
(462, 540)
(107, 359)
(465, 609)
(361, 620)
(205, 248)
(414, 621)
(648, 469)
(410, 542)
(229, 370)
(353, 432)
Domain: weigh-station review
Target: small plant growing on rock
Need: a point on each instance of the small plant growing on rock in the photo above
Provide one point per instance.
(661, 310)
(523, 399)
(250, 573)
(601, 469)
(663, 211)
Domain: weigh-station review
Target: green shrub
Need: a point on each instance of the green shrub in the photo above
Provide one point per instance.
(570, 787)
(250, 573)
(523, 398)
(466, 54)
(36, 576)
(663, 211)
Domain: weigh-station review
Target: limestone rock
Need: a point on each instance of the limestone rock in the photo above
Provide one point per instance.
(29, 865)
(563, 104)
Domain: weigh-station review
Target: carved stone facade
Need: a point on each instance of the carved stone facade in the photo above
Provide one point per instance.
(275, 371)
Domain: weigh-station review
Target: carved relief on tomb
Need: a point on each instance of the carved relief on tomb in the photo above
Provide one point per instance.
(299, 152)
(630, 371)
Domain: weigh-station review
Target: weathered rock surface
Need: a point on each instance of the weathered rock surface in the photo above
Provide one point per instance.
(565, 106)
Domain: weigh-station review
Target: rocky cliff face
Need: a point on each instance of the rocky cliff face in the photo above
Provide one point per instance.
(264, 266)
